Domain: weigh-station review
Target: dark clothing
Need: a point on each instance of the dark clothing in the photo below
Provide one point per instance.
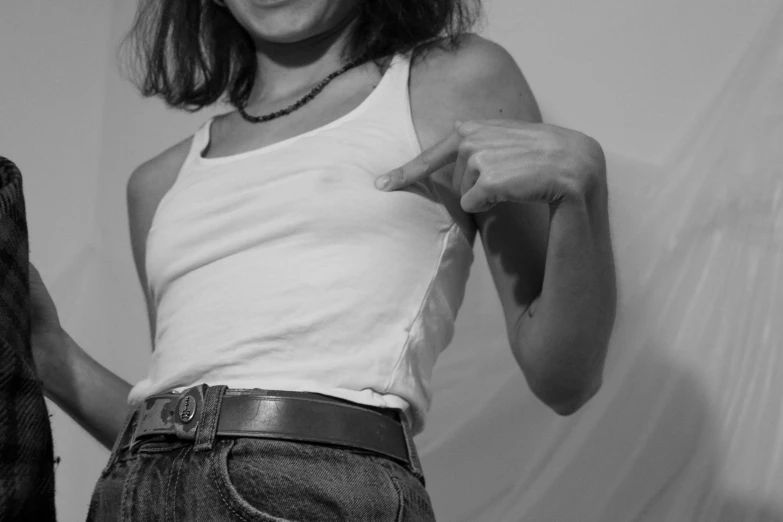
(26, 449)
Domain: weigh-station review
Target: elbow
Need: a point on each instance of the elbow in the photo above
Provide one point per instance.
(572, 405)
(565, 400)
(564, 375)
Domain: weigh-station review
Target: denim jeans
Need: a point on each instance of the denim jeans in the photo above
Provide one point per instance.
(254, 479)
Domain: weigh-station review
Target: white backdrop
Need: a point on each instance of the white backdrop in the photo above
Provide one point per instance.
(687, 100)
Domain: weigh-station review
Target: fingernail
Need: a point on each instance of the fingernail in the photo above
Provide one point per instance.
(382, 182)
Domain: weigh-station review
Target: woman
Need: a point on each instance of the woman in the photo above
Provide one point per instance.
(297, 304)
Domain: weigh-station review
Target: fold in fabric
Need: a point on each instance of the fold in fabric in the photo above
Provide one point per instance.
(26, 448)
(688, 426)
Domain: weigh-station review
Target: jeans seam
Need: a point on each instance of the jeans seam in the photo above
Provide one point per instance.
(125, 514)
(414, 463)
(216, 484)
(176, 481)
(116, 450)
(400, 498)
(168, 482)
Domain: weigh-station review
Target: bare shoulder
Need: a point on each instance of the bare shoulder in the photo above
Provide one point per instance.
(477, 80)
(159, 169)
(150, 181)
(480, 80)
(147, 185)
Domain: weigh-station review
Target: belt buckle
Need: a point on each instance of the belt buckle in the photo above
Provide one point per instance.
(188, 411)
(183, 418)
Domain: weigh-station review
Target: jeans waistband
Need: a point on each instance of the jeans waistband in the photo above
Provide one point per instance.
(203, 413)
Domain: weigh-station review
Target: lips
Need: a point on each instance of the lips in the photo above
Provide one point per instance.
(270, 3)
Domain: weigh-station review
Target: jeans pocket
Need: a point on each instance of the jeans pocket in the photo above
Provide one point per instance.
(106, 499)
(416, 505)
(270, 480)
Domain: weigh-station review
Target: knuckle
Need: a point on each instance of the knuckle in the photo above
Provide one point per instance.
(580, 185)
(468, 146)
(588, 140)
(466, 128)
(593, 149)
(489, 179)
(479, 159)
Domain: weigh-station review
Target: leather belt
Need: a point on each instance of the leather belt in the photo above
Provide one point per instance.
(275, 414)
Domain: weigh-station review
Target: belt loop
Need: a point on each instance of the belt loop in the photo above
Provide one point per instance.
(119, 440)
(413, 455)
(210, 415)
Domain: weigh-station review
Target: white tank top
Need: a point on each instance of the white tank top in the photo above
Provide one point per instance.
(284, 268)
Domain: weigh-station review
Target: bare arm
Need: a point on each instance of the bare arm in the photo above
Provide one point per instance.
(88, 392)
(84, 389)
(553, 266)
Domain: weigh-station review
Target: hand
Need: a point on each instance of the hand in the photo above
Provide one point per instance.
(510, 160)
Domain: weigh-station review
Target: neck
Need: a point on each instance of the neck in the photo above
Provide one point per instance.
(288, 68)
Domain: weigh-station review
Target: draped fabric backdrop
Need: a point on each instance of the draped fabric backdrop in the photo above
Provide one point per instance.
(689, 424)
(687, 100)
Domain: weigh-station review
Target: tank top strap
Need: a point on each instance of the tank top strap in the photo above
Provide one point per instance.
(200, 140)
(398, 73)
(391, 99)
(391, 107)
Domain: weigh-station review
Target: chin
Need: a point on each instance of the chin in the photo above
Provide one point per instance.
(289, 21)
(285, 35)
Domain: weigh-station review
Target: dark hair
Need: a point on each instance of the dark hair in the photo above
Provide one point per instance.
(192, 52)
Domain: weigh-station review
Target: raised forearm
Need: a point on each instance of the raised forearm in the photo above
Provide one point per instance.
(92, 395)
(562, 341)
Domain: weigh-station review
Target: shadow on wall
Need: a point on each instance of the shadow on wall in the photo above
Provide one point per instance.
(676, 476)
(677, 355)
(647, 448)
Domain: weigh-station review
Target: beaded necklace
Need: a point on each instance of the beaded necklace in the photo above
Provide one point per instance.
(318, 88)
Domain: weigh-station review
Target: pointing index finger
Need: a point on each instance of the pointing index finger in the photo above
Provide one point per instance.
(429, 161)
